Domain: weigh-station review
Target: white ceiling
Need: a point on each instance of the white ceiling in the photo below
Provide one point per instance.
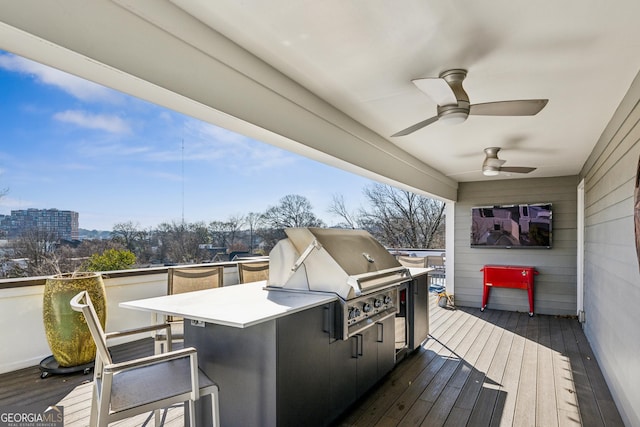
(357, 59)
(361, 56)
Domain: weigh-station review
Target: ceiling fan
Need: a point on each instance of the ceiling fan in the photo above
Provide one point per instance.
(454, 106)
(492, 165)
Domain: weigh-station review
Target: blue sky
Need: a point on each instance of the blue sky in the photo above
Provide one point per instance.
(70, 144)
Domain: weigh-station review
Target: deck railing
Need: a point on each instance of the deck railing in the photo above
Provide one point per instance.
(23, 338)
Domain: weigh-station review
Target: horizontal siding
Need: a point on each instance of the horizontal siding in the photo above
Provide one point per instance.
(612, 277)
(610, 165)
(555, 286)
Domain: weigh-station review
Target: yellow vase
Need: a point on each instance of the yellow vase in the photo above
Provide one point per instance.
(67, 332)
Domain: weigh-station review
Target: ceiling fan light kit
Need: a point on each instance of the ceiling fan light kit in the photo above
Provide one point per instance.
(454, 106)
(490, 171)
(453, 116)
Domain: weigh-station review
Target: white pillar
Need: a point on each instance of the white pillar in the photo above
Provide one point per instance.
(449, 211)
(580, 253)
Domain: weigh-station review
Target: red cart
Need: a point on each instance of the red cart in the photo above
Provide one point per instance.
(508, 276)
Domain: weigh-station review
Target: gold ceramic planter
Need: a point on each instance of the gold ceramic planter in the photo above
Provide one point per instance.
(67, 332)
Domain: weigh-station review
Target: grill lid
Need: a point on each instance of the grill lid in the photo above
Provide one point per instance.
(346, 262)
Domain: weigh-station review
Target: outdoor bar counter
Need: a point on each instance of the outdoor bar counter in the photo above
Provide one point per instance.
(272, 353)
(238, 306)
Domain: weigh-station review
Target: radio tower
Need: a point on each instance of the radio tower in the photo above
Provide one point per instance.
(182, 173)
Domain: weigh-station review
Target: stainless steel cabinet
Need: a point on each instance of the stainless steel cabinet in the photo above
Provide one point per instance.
(275, 373)
(303, 369)
(418, 311)
(343, 375)
(358, 363)
(290, 371)
(367, 359)
(385, 340)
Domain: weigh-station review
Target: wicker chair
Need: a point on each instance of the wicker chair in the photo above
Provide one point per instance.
(412, 261)
(253, 271)
(179, 281)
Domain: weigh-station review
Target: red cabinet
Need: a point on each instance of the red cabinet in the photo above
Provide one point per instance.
(508, 276)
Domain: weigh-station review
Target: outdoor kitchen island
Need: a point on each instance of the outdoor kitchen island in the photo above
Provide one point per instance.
(299, 349)
(267, 350)
(272, 353)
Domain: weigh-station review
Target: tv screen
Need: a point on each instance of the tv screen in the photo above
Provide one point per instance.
(511, 226)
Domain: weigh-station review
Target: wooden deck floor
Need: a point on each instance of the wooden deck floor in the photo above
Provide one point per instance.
(495, 368)
(25, 388)
(476, 369)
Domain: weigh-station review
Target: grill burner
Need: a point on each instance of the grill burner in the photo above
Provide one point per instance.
(348, 263)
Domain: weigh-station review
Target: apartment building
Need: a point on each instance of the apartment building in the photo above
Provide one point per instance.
(62, 223)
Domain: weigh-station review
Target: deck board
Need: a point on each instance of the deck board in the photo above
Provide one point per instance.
(490, 392)
(546, 408)
(491, 368)
(504, 408)
(566, 401)
(439, 411)
(587, 405)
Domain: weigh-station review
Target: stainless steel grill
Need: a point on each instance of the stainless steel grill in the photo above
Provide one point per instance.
(349, 263)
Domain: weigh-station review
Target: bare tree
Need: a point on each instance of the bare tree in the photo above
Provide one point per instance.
(270, 236)
(233, 226)
(252, 220)
(146, 246)
(292, 211)
(37, 247)
(182, 241)
(90, 247)
(397, 218)
(135, 239)
(128, 234)
(339, 207)
(217, 233)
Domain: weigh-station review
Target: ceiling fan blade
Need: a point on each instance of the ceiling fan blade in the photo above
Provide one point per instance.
(517, 169)
(437, 89)
(523, 107)
(416, 127)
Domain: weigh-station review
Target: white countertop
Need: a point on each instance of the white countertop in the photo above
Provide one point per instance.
(239, 306)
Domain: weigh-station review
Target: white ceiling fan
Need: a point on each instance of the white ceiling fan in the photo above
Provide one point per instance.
(454, 106)
(492, 165)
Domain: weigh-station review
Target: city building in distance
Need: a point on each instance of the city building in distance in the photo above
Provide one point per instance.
(63, 224)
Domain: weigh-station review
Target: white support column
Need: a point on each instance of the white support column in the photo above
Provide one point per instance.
(449, 212)
(580, 254)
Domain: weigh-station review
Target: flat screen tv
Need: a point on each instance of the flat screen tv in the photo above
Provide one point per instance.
(512, 226)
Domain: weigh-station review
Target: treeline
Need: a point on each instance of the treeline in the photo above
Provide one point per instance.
(395, 217)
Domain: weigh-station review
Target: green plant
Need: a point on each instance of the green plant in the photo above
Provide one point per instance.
(109, 260)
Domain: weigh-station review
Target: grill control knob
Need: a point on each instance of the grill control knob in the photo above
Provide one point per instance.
(387, 299)
(377, 303)
(356, 312)
(366, 307)
(352, 313)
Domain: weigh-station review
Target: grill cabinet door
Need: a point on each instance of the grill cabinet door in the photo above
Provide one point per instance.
(359, 362)
(367, 372)
(343, 360)
(386, 347)
(418, 311)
